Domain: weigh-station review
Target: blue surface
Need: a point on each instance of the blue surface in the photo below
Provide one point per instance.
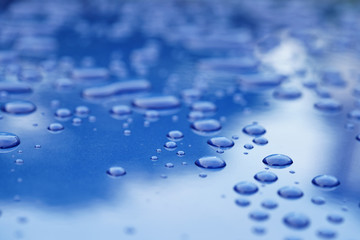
(274, 77)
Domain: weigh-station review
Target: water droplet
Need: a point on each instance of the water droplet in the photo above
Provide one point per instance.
(246, 188)
(175, 135)
(8, 142)
(37, 146)
(195, 115)
(63, 84)
(328, 105)
(152, 115)
(204, 107)
(157, 103)
(326, 233)
(260, 81)
(55, 127)
(120, 111)
(63, 113)
(117, 88)
(290, 192)
(221, 142)
(180, 153)
(169, 165)
(269, 204)
(235, 137)
(76, 121)
(358, 137)
(158, 150)
(127, 132)
(258, 215)
(266, 177)
(202, 175)
(287, 93)
(318, 200)
(206, 127)
(355, 114)
(18, 107)
(154, 158)
(170, 146)
(260, 141)
(82, 111)
(296, 220)
(210, 162)
(15, 87)
(242, 202)
(248, 146)
(254, 129)
(326, 181)
(19, 161)
(277, 161)
(116, 171)
(259, 230)
(335, 218)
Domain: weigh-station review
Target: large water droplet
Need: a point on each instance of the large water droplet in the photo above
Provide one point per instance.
(116, 171)
(8, 142)
(328, 105)
(266, 177)
(254, 129)
(210, 162)
(296, 220)
(175, 135)
(18, 107)
(157, 103)
(15, 87)
(206, 127)
(326, 181)
(221, 142)
(246, 188)
(116, 89)
(290, 192)
(55, 127)
(277, 161)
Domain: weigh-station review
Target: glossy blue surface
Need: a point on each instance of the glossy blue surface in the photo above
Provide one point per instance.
(136, 90)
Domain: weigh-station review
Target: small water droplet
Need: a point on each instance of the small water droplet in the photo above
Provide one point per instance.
(260, 141)
(202, 175)
(296, 220)
(170, 146)
(277, 161)
(259, 230)
(254, 129)
(195, 115)
(154, 158)
(242, 202)
(246, 188)
(290, 192)
(180, 153)
(116, 171)
(318, 200)
(204, 107)
(248, 146)
(265, 177)
(287, 93)
(19, 161)
(258, 215)
(63, 113)
(326, 181)
(335, 218)
(210, 162)
(18, 107)
(326, 233)
(82, 111)
(269, 204)
(221, 142)
(169, 165)
(55, 127)
(76, 121)
(120, 111)
(175, 135)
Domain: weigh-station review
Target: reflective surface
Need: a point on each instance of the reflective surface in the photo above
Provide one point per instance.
(137, 92)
